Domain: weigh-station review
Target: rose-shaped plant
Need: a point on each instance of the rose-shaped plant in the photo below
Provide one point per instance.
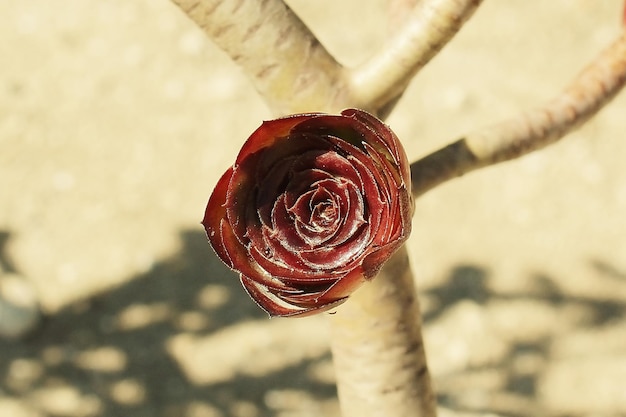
(312, 208)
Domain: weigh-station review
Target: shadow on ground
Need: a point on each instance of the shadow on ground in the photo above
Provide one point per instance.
(6, 264)
(108, 355)
(522, 364)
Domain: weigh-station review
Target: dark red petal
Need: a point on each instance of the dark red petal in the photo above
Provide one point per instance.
(269, 132)
(336, 293)
(275, 306)
(240, 208)
(371, 179)
(377, 197)
(267, 300)
(333, 164)
(283, 230)
(290, 148)
(346, 285)
(388, 170)
(271, 185)
(303, 181)
(317, 215)
(353, 215)
(334, 257)
(214, 213)
(384, 136)
(374, 186)
(296, 278)
(287, 221)
(348, 129)
(377, 258)
(278, 250)
(243, 262)
(308, 299)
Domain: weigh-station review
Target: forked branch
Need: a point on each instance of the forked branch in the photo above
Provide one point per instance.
(295, 73)
(585, 96)
(429, 27)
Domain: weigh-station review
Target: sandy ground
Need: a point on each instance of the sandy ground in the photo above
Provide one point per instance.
(116, 119)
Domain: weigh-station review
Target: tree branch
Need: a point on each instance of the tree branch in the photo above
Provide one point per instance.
(585, 96)
(295, 73)
(431, 24)
(286, 63)
(378, 349)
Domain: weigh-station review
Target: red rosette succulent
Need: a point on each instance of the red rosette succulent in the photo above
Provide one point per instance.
(312, 208)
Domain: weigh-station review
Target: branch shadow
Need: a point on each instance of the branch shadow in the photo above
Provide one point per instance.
(6, 264)
(108, 355)
(518, 392)
(111, 350)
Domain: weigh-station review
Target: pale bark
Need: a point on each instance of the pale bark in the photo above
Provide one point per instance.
(295, 73)
(430, 25)
(378, 349)
(286, 63)
(593, 88)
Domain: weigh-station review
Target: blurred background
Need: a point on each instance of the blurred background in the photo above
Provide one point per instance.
(116, 120)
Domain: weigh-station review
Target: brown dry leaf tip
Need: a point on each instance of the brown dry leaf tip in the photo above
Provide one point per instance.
(312, 208)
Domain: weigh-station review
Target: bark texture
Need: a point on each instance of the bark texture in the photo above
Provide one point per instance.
(428, 28)
(286, 63)
(378, 349)
(593, 88)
